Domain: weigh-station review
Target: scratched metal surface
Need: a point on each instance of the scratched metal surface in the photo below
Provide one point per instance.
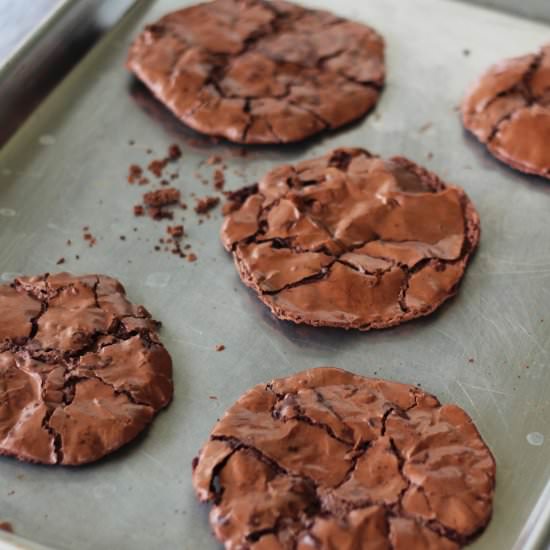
(66, 168)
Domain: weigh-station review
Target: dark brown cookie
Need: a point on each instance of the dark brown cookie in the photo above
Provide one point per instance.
(350, 240)
(254, 71)
(508, 109)
(326, 459)
(82, 371)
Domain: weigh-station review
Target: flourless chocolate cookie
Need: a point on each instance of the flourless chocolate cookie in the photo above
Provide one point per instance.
(326, 459)
(255, 71)
(350, 240)
(82, 371)
(508, 109)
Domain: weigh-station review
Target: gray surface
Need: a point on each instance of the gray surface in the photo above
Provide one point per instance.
(66, 168)
(533, 9)
(38, 63)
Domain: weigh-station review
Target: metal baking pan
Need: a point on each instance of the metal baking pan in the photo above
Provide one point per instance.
(487, 350)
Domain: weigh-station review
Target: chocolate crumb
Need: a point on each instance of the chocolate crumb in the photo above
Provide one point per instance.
(157, 166)
(175, 230)
(162, 197)
(164, 182)
(219, 179)
(220, 347)
(90, 238)
(122, 237)
(77, 257)
(6, 526)
(174, 152)
(213, 397)
(138, 211)
(134, 173)
(158, 213)
(206, 204)
(60, 261)
(471, 360)
(69, 242)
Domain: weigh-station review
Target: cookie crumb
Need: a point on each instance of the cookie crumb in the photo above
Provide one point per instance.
(174, 152)
(219, 179)
(206, 204)
(138, 211)
(134, 173)
(192, 257)
(162, 197)
(220, 347)
(175, 230)
(157, 166)
(6, 526)
(92, 241)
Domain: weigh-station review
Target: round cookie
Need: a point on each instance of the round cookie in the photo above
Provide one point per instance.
(350, 240)
(82, 371)
(508, 109)
(327, 459)
(260, 72)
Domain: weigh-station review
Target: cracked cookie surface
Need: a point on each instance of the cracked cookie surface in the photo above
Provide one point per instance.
(82, 371)
(255, 71)
(327, 459)
(508, 109)
(350, 240)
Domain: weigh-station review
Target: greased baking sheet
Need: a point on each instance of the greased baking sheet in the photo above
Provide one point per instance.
(487, 350)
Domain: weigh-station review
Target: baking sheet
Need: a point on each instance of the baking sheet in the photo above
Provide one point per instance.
(66, 168)
(533, 9)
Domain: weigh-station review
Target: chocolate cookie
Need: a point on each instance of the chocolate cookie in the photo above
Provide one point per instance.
(350, 240)
(326, 459)
(82, 371)
(254, 71)
(508, 109)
